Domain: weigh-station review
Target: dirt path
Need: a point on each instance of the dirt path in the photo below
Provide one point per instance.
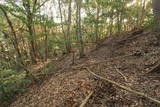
(130, 54)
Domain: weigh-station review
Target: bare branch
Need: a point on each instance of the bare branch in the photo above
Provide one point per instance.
(84, 102)
(125, 78)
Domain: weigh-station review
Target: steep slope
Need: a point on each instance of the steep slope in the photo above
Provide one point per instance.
(123, 58)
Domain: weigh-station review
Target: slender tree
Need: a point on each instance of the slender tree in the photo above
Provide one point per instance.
(14, 39)
(78, 28)
(66, 34)
(30, 16)
(97, 22)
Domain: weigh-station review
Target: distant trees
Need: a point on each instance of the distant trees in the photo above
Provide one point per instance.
(36, 32)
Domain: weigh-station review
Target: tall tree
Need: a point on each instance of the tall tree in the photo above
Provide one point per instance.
(78, 28)
(156, 11)
(69, 25)
(14, 39)
(97, 22)
(66, 34)
(30, 16)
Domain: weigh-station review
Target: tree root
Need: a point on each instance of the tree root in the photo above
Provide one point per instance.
(123, 87)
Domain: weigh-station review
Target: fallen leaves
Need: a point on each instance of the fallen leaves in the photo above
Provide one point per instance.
(70, 88)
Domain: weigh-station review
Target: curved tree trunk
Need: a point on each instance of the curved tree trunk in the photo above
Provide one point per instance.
(14, 41)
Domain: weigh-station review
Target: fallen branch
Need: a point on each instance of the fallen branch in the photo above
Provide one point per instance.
(123, 87)
(84, 102)
(155, 69)
(125, 78)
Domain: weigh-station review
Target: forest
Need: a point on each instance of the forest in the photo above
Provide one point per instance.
(79, 53)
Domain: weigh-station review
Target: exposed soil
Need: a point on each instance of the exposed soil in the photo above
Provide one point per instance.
(131, 53)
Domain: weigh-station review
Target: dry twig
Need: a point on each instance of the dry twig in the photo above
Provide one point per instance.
(84, 102)
(155, 69)
(125, 78)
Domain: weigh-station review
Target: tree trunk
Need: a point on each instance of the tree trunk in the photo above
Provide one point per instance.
(97, 25)
(69, 26)
(142, 12)
(79, 32)
(67, 45)
(46, 43)
(14, 41)
(29, 16)
(156, 11)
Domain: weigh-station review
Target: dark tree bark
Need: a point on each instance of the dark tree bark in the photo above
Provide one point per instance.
(156, 12)
(78, 29)
(69, 26)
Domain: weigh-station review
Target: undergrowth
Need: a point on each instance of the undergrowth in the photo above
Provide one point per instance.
(11, 83)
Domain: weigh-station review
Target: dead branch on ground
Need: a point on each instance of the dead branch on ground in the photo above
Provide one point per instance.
(155, 69)
(123, 87)
(84, 102)
(125, 78)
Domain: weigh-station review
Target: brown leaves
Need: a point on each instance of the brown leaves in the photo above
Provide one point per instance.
(135, 55)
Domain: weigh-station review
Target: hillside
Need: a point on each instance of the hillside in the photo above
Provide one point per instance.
(125, 58)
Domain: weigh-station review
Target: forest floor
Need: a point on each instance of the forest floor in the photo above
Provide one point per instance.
(123, 58)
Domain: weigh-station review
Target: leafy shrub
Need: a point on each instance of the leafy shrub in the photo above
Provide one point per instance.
(149, 22)
(11, 83)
